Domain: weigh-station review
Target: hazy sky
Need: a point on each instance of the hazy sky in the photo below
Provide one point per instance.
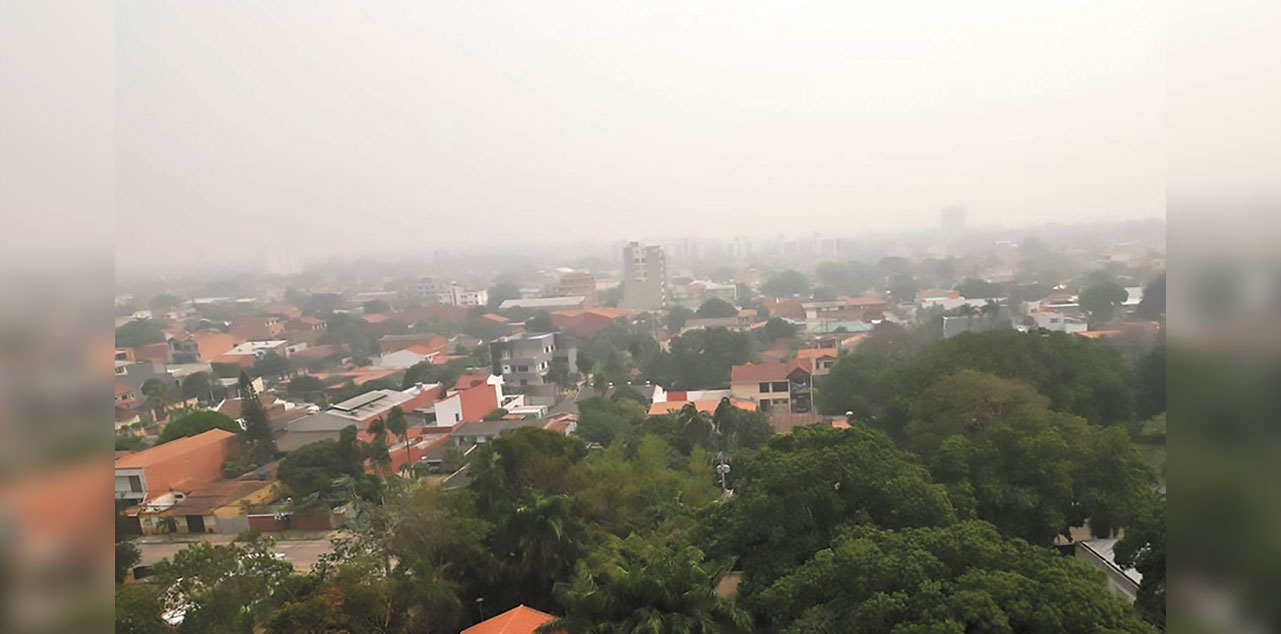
(370, 126)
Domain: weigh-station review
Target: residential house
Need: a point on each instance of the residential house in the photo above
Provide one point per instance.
(737, 324)
(409, 357)
(358, 410)
(135, 374)
(249, 352)
(216, 507)
(200, 346)
(426, 341)
(586, 323)
(518, 620)
(524, 360)
(773, 386)
(305, 324)
(257, 328)
(820, 360)
(159, 477)
(471, 399)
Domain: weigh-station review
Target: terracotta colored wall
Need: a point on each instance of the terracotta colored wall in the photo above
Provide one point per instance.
(204, 465)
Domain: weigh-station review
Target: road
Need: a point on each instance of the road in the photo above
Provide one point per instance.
(301, 550)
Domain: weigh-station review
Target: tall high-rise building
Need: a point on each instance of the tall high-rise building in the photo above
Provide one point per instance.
(644, 277)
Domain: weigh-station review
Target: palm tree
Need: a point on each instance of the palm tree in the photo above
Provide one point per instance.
(399, 427)
(546, 533)
(378, 454)
(646, 587)
(696, 427)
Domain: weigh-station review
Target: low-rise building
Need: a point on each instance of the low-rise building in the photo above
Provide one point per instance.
(356, 411)
(257, 328)
(820, 360)
(774, 386)
(174, 468)
(573, 302)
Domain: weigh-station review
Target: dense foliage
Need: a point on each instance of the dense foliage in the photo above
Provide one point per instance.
(196, 423)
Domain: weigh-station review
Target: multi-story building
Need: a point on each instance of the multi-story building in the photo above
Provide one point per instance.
(456, 295)
(774, 387)
(524, 360)
(644, 277)
(257, 328)
(578, 283)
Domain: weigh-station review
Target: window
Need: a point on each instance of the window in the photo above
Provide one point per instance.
(780, 386)
(135, 484)
(457, 417)
(764, 386)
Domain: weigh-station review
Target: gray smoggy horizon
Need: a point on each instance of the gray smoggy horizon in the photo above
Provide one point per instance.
(362, 130)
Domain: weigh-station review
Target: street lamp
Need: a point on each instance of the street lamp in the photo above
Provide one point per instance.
(480, 607)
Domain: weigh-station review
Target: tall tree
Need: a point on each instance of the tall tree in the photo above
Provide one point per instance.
(1152, 306)
(639, 585)
(1100, 301)
(398, 425)
(260, 444)
(379, 456)
(786, 284)
(716, 307)
(959, 578)
(197, 423)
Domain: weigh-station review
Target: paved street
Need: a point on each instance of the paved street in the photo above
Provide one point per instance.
(301, 550)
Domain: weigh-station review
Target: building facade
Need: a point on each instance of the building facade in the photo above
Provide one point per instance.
(524, 360)
(456, 295)
(578, 283)
(644, 277)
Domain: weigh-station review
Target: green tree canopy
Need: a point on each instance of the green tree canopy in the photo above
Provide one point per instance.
(959, 578)
(376, 307)
(1081, 376)
(701, 359)
(715, 308)
(198, 385)
(273, 365)
(786, 284)
(1152, 306)
(541, 321)
(677, 317)
(639, 585)
(794, 494)
(1101, 299)
(197, 423)
(139, 332)
(305, 384)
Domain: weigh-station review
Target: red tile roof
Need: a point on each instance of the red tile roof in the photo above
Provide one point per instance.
(470, 380)
(758, 372)
(518, 620)
(815, 353)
